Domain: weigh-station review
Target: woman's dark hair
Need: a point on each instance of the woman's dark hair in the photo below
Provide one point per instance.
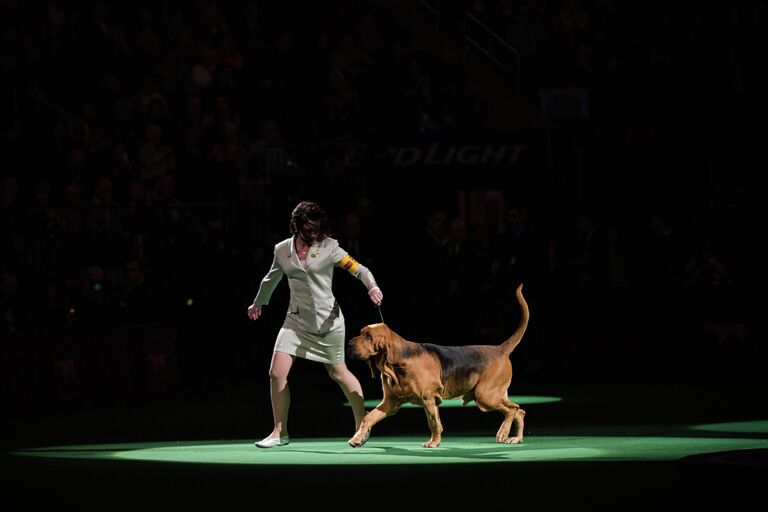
(306, 212)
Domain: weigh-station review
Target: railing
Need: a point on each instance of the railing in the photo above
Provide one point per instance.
(483, 39)
(82, 367)
(50, 239)
(489, 43)
(433, 6)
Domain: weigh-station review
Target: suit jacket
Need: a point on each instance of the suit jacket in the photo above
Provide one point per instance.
(312, 307)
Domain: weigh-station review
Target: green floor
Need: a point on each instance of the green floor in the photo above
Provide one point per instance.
(599, 445)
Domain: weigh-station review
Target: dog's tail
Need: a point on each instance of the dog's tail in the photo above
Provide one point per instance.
(509, 345)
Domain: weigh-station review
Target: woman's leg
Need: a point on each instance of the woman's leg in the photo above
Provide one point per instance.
(351, 388)
(279, 392)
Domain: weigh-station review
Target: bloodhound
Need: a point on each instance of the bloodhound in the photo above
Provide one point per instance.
(425, 374)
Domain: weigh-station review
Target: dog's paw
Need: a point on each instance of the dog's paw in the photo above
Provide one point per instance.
(359, 440)
(432, 443)
(513, 440)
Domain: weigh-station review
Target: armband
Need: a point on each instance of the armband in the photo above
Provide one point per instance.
(348, 263)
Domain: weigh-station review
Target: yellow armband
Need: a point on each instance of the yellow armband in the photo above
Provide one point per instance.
(348, 263)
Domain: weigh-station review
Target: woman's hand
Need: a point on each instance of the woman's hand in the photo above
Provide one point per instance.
(254, 312)
(375, 295)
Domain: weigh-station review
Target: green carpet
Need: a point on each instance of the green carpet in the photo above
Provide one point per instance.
(457, 449)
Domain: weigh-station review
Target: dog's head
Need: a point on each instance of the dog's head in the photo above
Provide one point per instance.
(378, 346)
(371, 341)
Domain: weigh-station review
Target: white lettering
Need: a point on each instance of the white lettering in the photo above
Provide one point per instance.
(468, 155)
(449, 157)
(431, 155)
(460, 155)
(514, 154)
(491, 153)
(407, 156)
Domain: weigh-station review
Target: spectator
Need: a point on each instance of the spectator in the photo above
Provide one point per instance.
(16, 315)
(155, 156)
(136, 302)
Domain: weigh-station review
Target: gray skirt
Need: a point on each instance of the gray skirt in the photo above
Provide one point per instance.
(323, 348)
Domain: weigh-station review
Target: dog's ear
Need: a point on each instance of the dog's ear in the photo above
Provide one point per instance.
(372, 367)
(379, 342)
(380, 336)
(390, 344)
(389, 353)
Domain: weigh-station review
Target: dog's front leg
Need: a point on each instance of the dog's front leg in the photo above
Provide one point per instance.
(386, 408)
(433, 419)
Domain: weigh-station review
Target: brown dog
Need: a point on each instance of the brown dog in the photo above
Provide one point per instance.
(425, 374)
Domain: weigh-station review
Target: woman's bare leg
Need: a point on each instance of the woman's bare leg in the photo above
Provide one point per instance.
(351, 388)
(279, 392)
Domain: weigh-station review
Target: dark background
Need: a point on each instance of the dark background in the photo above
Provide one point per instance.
(607, 154)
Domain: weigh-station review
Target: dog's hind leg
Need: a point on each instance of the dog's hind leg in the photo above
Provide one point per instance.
(491, 395)
(513, 417)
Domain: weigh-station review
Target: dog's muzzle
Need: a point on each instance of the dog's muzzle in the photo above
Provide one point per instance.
(354, 350)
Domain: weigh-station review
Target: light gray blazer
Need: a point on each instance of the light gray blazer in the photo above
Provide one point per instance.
(312, 307)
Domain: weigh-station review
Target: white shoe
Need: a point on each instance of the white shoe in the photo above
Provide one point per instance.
(270, 442)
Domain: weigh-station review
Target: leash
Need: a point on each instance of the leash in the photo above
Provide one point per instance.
(380, 315)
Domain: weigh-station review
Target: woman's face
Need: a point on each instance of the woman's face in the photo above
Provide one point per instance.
(309, 232)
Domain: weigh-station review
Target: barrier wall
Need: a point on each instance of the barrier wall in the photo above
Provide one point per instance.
(82, 367)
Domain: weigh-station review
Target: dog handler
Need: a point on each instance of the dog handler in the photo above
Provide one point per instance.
(314, 325)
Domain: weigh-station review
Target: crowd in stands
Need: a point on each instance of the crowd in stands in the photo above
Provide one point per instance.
(661, 61)
(136, 184)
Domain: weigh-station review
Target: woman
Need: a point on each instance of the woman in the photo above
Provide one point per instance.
(314, 326)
